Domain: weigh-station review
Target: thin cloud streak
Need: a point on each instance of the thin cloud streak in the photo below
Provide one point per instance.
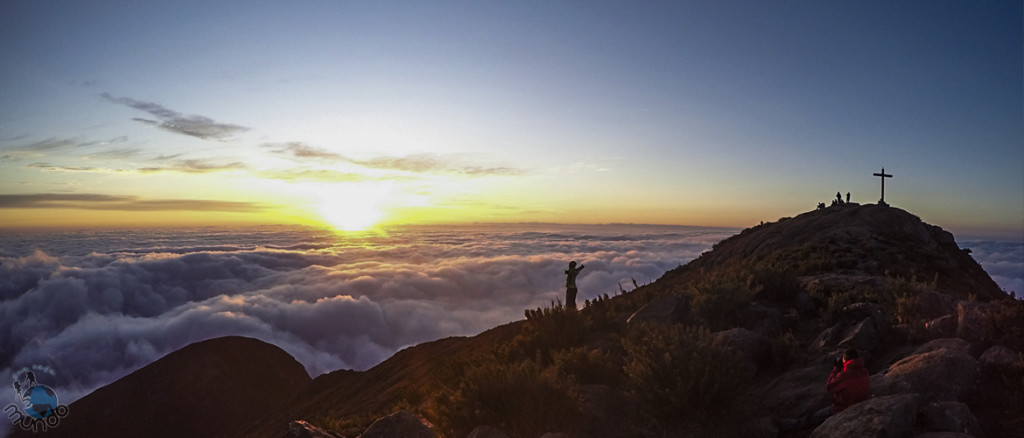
(430, 163)
(417, 163)
(195, 166)
(193, 125)
(303, 151)
(91, 201)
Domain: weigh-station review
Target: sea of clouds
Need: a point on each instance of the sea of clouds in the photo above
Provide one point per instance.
(96, 305)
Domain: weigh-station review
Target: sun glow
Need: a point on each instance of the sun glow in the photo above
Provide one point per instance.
(353, 207)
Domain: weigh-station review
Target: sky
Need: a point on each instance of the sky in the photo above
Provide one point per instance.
(361, 114)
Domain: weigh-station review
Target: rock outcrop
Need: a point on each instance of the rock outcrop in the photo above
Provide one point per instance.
(941, 370)
(303, 429)
(400, 424)
(891, 416)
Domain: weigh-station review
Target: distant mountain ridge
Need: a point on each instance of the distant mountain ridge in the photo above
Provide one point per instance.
(812, 259)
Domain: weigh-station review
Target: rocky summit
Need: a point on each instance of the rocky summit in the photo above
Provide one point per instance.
(737, 343)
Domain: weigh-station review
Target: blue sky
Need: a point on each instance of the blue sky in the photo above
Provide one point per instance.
(703, 113)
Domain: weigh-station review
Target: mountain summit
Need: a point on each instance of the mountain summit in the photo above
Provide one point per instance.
(869, 240)
(722, 346)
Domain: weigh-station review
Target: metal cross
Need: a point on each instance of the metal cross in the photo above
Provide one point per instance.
(883, 175)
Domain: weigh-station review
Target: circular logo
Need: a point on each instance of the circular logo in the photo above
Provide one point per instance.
(41, 402)
(39, 410)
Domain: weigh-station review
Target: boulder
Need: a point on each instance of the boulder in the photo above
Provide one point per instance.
(953, 344)
(762, 427)
(488, 432)
(761, 319)
(858, 311)
(830, 337)
(804, 303)
(755, 348)
(1001, 359)
(944, 435)
(1001, 408)
(861, 336)
(400, 424)
(799, 390)
(949, 417)
(972, 320)
(603, 409)
(941, 327)
(302, 429)
(666, 310)
(882, 417)
(936, 372)
(931, 305)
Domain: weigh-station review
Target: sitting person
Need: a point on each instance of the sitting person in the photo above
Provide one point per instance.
(848, 383)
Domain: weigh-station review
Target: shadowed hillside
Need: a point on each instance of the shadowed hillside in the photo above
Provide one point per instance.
(207, 389)
(723, 346)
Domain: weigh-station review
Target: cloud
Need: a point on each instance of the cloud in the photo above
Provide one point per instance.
(54, 146)
(315, 175)
(47, 167)
(193, 166)
(304, 151)
(91, 201)
(182, 166)
(109, 154)
(430, 163)
(1003, 260)
(418, 163)
(173, 121)
(98, 305)
(38, 148)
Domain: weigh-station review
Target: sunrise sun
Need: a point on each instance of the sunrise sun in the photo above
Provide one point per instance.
(356, 208)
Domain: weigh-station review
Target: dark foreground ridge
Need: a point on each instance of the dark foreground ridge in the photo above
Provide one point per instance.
(720, 347)
(206, 389)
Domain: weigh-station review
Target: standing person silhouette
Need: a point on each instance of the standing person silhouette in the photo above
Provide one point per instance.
(570, 284)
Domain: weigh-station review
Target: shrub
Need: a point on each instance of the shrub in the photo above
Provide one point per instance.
(520, 398)
(786, 349)
(1005, 325)
(774, 285)
(677, 370)
(602, 314)
(548, 329)
(589, 366)
(835, 305)
(718, 302)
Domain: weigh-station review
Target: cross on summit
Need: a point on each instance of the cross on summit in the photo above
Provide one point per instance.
(883, 176)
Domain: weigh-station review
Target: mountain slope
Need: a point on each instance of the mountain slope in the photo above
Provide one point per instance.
(207, 389)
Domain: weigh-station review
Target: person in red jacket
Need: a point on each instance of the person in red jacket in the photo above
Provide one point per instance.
(848, 383)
